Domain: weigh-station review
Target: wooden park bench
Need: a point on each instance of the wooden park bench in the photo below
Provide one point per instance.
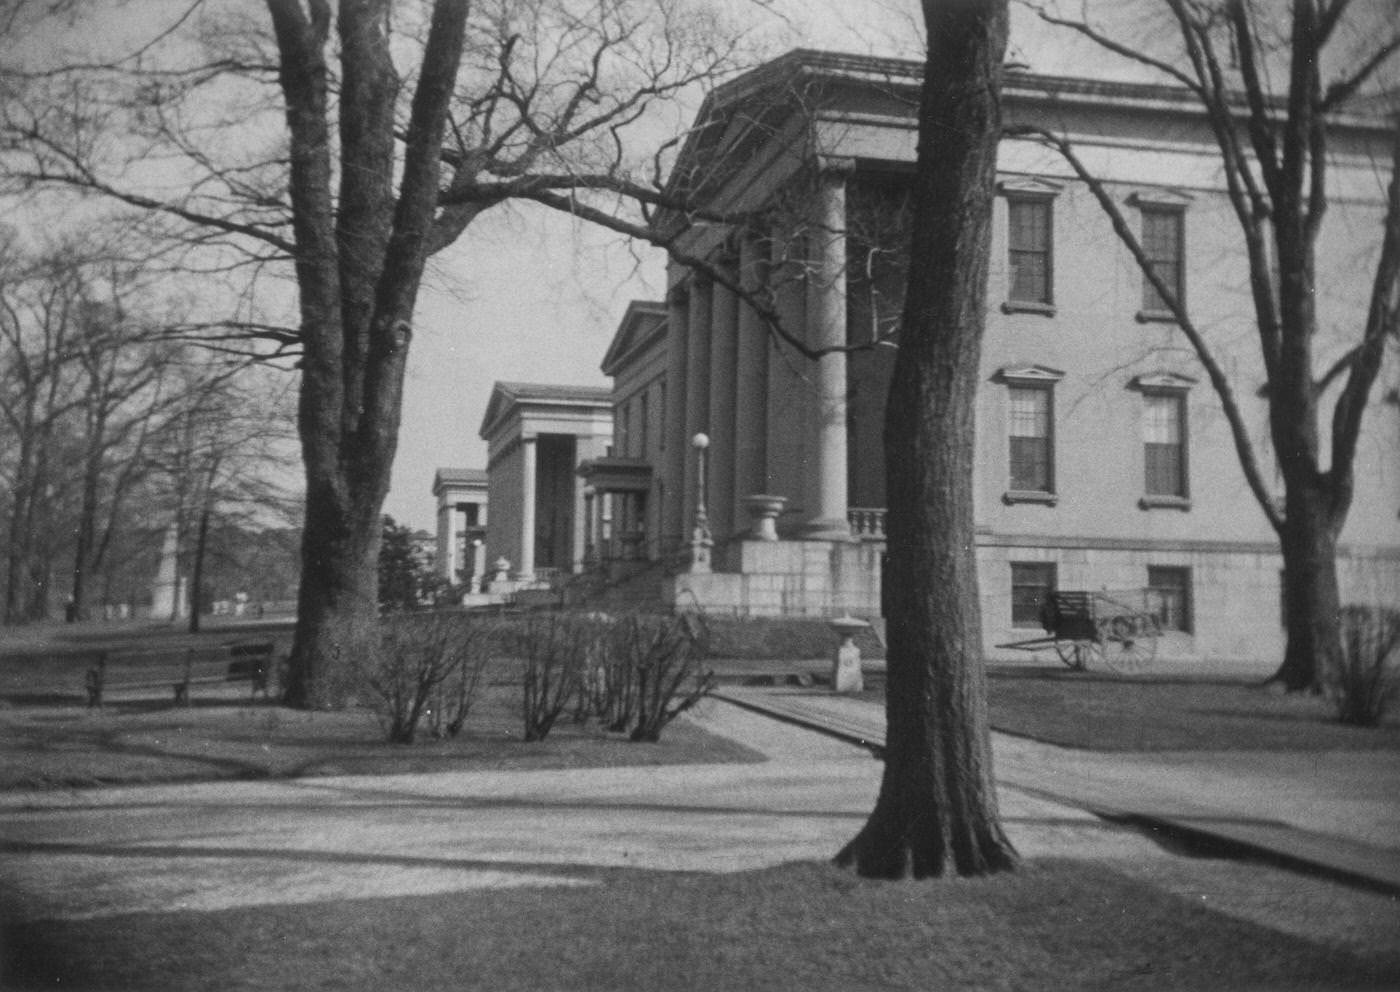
(179, 670)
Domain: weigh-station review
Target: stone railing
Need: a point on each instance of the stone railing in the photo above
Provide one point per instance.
(867, 524)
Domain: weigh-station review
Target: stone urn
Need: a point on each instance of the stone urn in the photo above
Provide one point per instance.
(845, 670)
(763, 511)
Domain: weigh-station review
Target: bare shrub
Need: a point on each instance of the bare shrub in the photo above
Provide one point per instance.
(615, 695)
(665, 656)
(427, 663)
(1364, 681)
(454, 697)
(557, 650)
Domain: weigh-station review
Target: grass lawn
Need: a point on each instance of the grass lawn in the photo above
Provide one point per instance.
(1106, 713)
(1052, 925)
(228, 738)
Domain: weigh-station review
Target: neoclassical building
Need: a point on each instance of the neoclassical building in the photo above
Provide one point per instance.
(1104, 459)
(536, 436)
(461, 525)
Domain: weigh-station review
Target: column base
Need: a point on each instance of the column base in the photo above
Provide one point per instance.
(826, 529)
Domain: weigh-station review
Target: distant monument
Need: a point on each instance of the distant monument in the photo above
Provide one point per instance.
(167, 600)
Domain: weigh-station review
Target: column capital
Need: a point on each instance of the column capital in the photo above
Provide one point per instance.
(679, 294)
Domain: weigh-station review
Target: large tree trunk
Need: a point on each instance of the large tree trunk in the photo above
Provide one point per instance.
(338, 597)
(1310, 597)
(360, 259)
(937, 810)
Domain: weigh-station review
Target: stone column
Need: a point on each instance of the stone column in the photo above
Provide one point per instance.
(525, 567)
(789, 392)
(592, 554)
(478, 564)
(447, 541)
(606, 524)
(697, 382)
(724, 357)
(750, 379)
(674, 441)
(826, 322)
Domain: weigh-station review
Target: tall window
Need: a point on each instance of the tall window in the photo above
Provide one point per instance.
(1164, 444)
(1163, 241)
(1029, 244)
(1032, 582)
(642, 425)
(1169, 593)
(1031, 441)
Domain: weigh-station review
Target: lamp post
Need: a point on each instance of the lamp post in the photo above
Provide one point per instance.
(700, 540)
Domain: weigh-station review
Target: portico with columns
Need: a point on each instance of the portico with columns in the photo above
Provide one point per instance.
(461, 495)
(776, 420)
(536, 436)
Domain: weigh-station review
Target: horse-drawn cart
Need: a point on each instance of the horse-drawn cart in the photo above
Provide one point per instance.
(1113, 630)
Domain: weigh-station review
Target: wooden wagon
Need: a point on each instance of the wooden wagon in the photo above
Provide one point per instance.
(1113, 630)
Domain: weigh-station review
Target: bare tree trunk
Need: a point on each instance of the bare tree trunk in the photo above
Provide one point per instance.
(937, 810)
(201, 543)
(338, 597)
(360, 260)
(84, 553)
(1310, 593)
(17, 550)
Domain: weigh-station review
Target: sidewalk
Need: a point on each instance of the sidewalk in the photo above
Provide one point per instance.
(1335, 812)
(179, 848)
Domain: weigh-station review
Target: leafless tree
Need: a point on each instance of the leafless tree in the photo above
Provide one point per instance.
(81, 387)
(937, 811)
(372, 168)
(1271, 82)
(96, 393)
(223, 456)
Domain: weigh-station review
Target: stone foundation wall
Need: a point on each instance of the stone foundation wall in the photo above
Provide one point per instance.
(1235, 607)
(786, 578)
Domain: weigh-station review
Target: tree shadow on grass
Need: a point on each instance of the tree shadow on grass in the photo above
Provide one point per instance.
(1052, 925)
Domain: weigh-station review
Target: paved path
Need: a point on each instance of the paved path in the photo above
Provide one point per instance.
(1338, 811)
(208, 846)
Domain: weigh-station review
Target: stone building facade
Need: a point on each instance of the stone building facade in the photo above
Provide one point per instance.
(1104, 458)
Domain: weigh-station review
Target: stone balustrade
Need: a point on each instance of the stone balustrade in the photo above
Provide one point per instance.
(867, 524)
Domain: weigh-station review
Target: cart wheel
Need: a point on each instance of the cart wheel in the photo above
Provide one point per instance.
(1076, 654)
(1068, 652)
(1129, 643)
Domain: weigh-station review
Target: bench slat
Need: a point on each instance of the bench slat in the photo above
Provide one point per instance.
(178, 670)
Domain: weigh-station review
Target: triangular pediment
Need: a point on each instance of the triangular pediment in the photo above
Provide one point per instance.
(1031, 375)
(643, 319)
(1028, 186)
(1160, 196)
(495, 408)
(1162, 380)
